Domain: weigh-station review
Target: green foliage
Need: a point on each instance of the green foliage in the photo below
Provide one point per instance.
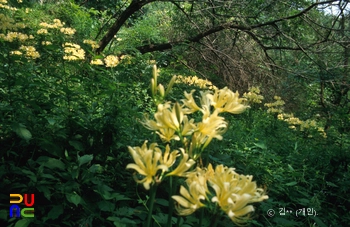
(65, 126)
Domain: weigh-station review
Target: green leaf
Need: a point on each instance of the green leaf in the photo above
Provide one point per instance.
(261, 146)
(21, 131)
(55, 163)
(318, 221)
(44, 189)
(304, 202)
(55, 212)
(85, 159)
(23, 223)
(74, 198)
(96, 168)
(3, 214)
(292, 183)
(162, 202)
(51, 121)
(290, 168)
(77, 145)
(331, 184)
(106, 206)
(30, 174)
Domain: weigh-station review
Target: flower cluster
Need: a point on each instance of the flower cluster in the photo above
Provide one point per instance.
(205, 187)
(3, 5)
(11, 36)
(30, 52)
(68, 31)
(172, 121)
(111, 61)
(253, 96)
(73, 52)
(96, 62)
(16, 52)
(42, 31)
(275, 107)
(56, 24)
(126, 59)
(92, 43)
(195, 81)
(232, 192)
(46, 43)
(153, 165)
(295, 122)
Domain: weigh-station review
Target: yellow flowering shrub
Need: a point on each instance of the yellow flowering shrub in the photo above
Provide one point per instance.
(30, 52)
(48, 32)
(42, 31)
(73, 52)
(195, 81)
(275, 107)
(253, 96)
(111, 61)
(68, 31)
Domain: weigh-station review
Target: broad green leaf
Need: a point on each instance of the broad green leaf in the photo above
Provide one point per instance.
(96, 168)
(77, 145)
(51, 121)
(21, 131)
(55, 212)
(23, 223)
(55, 163)
(85, 159)
(74, 198)
(162, 202)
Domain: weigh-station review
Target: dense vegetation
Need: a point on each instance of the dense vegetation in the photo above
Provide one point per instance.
(76, 99)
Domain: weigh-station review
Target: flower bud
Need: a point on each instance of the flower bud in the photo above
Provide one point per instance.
(170, 85)
(161, 90)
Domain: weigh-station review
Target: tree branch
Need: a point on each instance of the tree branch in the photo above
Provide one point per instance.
(135, 6)
(138, 4)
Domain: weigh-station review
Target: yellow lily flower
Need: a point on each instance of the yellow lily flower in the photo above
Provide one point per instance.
(167, 122)
(190, 200)
(190, 103)
(188, 126)
(212, 126)
(224, 100)
(167, 134)
(183, 166)
(233, 193)
(169, 158)
(147, 163)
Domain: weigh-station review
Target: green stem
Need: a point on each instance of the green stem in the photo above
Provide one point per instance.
(171, 202)
(201, 218)
(178, 221)
(214, 222)
(151, 203)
